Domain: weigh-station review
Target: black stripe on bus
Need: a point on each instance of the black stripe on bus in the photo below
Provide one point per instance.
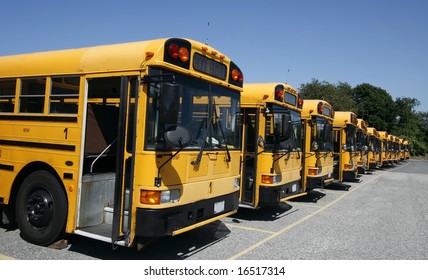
(39, 118)
(38, 145)
(6, 167)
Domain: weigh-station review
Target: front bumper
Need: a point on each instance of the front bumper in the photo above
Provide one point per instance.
(162, 222)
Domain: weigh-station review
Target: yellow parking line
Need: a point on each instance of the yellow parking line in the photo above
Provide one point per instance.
(258, 244)
(3, 257)
(306, 205)
(250, 228)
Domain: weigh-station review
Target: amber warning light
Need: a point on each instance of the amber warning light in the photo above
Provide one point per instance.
(181, 53)
(177, 51)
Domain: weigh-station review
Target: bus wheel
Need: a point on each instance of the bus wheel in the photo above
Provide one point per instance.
(41, 208)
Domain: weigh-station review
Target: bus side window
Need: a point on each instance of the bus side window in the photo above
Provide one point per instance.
(95, 142)
(64, 95)
(32, 97)
(7, 95)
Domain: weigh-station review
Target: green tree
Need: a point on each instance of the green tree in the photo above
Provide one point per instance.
(423, 122)
(407, 121)
(375, 105)
(419, 142)
(410, 125)
(339, 96)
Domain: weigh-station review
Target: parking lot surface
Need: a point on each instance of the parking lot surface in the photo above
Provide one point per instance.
(384, 217)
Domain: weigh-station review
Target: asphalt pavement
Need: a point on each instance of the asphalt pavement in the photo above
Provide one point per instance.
(384, 217)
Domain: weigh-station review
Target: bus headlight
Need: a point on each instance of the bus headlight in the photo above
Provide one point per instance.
(170, 196)
(236, 183)
(271, 179)
(159, 197)
(313, 171)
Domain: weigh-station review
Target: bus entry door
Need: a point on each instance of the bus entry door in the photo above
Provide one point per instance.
(125, 161)
(249, 168)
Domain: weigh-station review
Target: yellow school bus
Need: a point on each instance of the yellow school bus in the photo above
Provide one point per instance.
(271, 144)
(345, 152)
(400, 149)
(406, 147)
(385, 150)
(396, 149)
(392, 149)
(362, 146)
(317, 119)
(120, 143)
(374, 145)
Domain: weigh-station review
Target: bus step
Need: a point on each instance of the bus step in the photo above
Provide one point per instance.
(108, 215)
(336, 185)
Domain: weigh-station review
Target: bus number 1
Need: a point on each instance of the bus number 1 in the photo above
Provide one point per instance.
(66, 133)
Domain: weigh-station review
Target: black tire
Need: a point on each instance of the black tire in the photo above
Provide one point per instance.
(41, 208)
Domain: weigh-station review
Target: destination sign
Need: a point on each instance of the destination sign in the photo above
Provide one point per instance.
(326, 111)
(290, 99)
(209, 66)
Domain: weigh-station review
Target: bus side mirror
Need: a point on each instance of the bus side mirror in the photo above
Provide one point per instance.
(261, 142)
(169, 103)
(327, 131)
(286, 126)
(178, 136)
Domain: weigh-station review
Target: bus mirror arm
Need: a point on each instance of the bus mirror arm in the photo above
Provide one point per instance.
(176, 136)
(253, 156)
(158, 179)
(273, 162)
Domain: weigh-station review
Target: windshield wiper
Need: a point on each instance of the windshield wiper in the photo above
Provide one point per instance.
(204, 139)
(280, 157)
(224, 138)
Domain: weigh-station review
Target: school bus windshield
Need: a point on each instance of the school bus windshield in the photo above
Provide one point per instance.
(350, 137)
(323, 135)
(210, 112)
(277, 139)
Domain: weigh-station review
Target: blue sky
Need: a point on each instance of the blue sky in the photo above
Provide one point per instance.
(381, 42)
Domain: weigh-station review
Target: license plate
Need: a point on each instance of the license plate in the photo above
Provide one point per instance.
(218, 207)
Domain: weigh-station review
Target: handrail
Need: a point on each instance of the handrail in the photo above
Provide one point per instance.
(105, 150)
